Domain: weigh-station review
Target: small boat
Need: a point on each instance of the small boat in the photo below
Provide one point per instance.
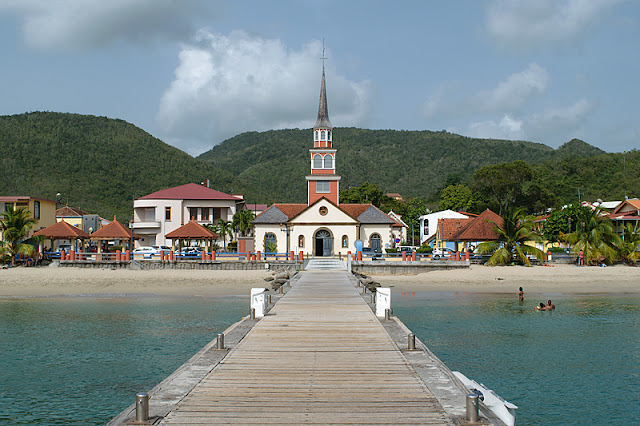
(505, 410)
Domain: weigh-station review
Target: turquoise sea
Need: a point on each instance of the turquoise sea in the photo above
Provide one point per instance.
(81, 360)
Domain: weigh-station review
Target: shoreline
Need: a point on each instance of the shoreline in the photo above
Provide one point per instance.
(54, 282)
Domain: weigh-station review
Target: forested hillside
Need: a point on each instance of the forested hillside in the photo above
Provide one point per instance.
(412, 163)
(96, 163)
(100, 164)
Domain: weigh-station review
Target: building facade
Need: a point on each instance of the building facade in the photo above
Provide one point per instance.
(323, 226)
(159, 213)
(42, 210)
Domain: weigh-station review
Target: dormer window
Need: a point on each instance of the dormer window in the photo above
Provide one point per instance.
(328, 161)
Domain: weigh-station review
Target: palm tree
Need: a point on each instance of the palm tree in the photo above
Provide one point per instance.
(15, 226)
(515, 231)
(242, 222)
(594, 236)
(225, 227)
(629, 244)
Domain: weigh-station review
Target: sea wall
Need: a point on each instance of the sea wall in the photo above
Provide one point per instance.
(183, 264)
(405, 267)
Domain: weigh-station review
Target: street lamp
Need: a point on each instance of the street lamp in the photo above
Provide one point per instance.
(285, 227)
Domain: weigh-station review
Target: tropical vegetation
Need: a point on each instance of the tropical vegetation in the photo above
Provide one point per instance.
(595, 238)
(15, 225)
(513, 234)
(242, 222)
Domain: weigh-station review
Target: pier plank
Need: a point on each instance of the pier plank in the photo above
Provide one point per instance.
(319, 357)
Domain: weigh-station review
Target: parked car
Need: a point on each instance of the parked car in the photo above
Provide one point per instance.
(146, 251)
(65, 247)
(191, 251)
(438, 252)
(408, 249)
(165, 249)
(370, 252)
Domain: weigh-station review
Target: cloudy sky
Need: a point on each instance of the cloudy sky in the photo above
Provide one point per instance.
(194, 73)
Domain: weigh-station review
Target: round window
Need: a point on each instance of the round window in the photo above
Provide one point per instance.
(324, 210)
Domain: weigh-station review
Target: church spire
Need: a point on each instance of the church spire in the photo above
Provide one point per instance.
(323, 111)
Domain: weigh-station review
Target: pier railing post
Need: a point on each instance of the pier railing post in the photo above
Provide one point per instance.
(472, 407)
(252, 314)
(142, 407)
(411, 342)
(387, 314)
(220, 342)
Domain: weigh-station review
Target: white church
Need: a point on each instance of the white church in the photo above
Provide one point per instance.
(323, 226)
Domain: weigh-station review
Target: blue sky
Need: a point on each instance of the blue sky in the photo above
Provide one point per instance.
(194, 73)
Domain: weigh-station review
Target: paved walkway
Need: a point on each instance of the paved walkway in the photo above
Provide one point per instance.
(319, 357)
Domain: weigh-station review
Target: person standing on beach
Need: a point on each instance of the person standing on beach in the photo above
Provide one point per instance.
(521, 295)
(581, 258)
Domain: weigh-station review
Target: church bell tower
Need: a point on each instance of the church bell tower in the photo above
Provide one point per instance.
(323, 180)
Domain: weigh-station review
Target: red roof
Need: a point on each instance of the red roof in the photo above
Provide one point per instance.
(114, 231)
(634, 203)
(291, 210)
(190, 191)
(192, 231)
(62, 230)
(15, 198)
(474, 229)
(67, 211)
(354, 210)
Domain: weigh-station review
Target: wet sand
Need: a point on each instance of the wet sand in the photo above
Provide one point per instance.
(507, 279)
(53, 281)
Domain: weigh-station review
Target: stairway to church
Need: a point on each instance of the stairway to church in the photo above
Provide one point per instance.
(325, 264)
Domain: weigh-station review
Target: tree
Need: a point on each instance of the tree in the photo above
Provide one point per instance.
(515, 231)
(564, 221)
(594, 236)
(224, 227)
(458, 198)
(365, 193)
(629, 244)
(16, 225)
(242, 222)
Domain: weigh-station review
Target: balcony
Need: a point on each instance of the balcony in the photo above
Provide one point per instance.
(146, 225)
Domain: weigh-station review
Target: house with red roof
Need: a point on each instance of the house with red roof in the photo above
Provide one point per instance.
(464, 233)
(323, 226)
(161, 212)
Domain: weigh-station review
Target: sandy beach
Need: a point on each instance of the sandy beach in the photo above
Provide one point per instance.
(506, 279)
(52, 281)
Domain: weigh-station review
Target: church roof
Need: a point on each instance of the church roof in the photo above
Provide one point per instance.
(323, 111)
(363, 213)
(190, 191)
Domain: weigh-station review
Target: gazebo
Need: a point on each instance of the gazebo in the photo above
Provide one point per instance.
(61, 231)
(114, 231)
(192, 231)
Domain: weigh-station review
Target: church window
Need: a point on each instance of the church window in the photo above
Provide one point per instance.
(317, 161)
(316, 135)
(270, 245)
(328, 135)
(328, 161)
(301, 241)
(345, 241)
(322, 136)
(323, 187)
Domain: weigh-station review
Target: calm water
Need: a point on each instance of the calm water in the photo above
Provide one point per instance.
(577, 365)
(81, 361)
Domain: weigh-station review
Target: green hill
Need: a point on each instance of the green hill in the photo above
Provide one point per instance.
(97, 164)
(412, 163)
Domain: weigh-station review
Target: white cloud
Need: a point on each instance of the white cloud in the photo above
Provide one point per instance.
(228, 84)
(524, 24)
(508, 96)
(560, 120)
(507, 128)
(79, 24)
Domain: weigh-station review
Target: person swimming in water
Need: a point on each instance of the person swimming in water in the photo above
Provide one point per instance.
(540, 307)
(550, 306)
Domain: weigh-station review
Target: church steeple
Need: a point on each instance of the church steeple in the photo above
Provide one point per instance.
(323, 111)
(323, 180)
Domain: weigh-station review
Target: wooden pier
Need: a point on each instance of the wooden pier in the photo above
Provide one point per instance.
(320, 356)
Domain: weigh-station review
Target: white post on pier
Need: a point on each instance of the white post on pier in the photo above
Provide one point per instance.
(383, 300)
(258, 301)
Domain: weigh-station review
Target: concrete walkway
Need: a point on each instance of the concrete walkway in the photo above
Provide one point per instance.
(319, 357)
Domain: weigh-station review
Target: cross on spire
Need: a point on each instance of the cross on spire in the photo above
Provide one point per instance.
(323, 57)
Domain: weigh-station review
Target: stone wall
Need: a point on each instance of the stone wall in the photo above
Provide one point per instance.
(184, 264)
(405, 268)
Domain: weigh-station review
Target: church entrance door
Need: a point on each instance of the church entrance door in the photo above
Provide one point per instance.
(323, 243)
(376, 242)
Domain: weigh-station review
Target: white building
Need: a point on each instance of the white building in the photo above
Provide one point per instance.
(323, 226)
(429, 222)
(157, 214)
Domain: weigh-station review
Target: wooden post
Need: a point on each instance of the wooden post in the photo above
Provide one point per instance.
(118, 255)
(404, 256)
(72, 255)
(63, 255)
(213, 255)
(172, 256)
(259, 255)
(204, 255)
(128, 255)
(248, 256)
(413, 256)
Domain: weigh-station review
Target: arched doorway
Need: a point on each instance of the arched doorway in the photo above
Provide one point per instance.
(376, 242)
(322, 243)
